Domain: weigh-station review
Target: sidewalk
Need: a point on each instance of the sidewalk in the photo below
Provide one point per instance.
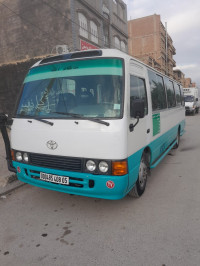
(8, 180)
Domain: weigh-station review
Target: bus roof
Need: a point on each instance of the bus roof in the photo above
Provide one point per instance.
(95, 53)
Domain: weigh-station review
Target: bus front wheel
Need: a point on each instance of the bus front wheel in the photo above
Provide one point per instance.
(140, 184)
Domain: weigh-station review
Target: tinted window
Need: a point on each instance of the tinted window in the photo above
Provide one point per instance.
(189, 98)
(138, 90)
(158, 95)
(177, 93)
(182, 96)
(171, 101)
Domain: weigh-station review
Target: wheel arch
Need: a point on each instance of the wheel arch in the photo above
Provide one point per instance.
(148, 154)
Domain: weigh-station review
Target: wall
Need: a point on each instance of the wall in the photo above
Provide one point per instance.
(12, 76)
(31, 28)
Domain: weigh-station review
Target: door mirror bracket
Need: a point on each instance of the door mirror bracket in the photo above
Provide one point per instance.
(136, 111)
(131, 126)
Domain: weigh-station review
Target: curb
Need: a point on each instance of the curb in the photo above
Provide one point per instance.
(12, 184)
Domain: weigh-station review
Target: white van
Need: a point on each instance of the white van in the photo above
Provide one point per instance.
(94, 123)
(191, 96)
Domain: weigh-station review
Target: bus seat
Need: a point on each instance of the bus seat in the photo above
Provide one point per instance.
(86, 98)
(66, 102)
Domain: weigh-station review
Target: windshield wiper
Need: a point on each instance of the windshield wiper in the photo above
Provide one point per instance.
(97, 120)
(42, 120)
(36, 118)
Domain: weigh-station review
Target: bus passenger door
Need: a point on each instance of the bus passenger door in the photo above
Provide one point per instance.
(139, 137)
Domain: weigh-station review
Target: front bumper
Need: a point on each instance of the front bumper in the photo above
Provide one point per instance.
(189, 109)
(83, 184)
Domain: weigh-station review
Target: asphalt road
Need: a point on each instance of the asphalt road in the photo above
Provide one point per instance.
(42, 227)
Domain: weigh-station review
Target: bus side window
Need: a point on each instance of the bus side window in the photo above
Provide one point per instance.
(182, 96)
(178, 94)
(171, 100)
(138, 91)
(158, 95)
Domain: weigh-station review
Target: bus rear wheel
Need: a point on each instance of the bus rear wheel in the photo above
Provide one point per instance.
(177, 140)
(140, 184)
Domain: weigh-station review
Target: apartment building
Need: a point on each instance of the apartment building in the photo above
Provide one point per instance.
(31, 28)
(188, 83)
(179, 76)
(150, 42)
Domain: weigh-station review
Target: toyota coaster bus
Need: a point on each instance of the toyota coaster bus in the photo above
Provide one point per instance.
(94, 123)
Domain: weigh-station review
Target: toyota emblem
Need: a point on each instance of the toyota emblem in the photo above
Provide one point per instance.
(52, 145)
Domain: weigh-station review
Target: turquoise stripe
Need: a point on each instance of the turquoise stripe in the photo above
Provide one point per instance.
(101, 66)
(159, 145)
(100, 190)
(157, 148)
(75, 73)
(163, 155)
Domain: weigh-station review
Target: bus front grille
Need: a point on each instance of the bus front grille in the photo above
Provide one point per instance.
(56, 162)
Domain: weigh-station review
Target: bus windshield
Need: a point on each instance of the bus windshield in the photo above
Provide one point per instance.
(89, 88)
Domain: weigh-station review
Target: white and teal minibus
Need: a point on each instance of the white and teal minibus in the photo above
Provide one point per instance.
(94, 123)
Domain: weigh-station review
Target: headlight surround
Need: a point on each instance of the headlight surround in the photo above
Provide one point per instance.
(91, 165)
(18, 156)
(103, 167)
(97, 166)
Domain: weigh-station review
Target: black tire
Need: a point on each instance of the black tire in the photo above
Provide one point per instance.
(177, 140)
(140, 184)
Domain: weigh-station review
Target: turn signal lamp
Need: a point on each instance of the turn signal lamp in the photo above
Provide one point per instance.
(13, 155)
(119, 168)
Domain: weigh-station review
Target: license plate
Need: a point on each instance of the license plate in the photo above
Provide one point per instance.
(54, 178)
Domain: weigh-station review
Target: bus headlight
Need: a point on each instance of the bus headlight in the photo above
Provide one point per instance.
(90, 165)
(18, 156)
(103, 166)
(25, 157)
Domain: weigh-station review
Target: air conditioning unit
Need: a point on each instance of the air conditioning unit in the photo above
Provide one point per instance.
(62, 49)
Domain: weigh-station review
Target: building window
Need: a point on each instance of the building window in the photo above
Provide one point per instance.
(120, 11)
(123, 46)
(106, 35)
(83, 30)
(94, 32)
(117, 42)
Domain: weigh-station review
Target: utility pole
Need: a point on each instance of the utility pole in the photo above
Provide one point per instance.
(166, 57)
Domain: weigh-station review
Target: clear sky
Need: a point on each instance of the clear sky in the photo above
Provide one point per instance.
(183, 25)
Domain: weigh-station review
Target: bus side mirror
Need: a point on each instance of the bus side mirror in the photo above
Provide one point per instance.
(136, 108)
(5, 120)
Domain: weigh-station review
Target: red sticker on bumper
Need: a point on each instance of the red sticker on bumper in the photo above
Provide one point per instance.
(110, 184)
